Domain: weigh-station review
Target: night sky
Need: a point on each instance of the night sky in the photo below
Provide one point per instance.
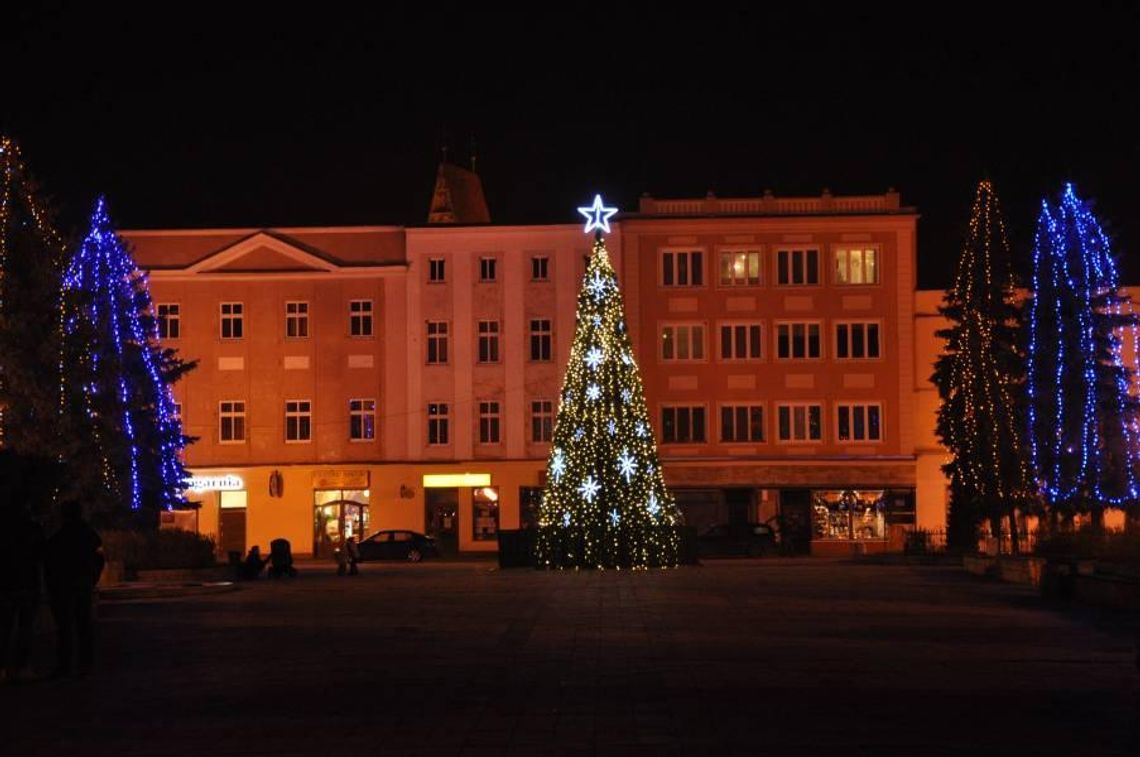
(191, 116)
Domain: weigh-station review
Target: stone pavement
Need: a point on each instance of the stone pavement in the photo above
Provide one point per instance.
(763, 657)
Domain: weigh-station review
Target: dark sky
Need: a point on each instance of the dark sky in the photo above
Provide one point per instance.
(197, 115)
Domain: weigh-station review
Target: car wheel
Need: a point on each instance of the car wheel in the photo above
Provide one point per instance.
(414, 555)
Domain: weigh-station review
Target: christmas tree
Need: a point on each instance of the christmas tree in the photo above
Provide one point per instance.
(31, 258)
(605, 503)
(1082, 417)
(117, 411)
(980, 379)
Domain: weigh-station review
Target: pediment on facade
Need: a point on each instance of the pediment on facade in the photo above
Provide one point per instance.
(263, 253)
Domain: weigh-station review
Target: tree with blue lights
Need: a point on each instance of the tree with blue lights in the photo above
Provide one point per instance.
(1082, 417)
(605, 503)
(123, 439)
(980, 378)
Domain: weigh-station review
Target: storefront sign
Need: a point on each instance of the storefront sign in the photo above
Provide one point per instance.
(227, 483)
(453, 480)
(340, 479)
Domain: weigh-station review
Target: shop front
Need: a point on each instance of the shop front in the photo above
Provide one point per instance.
(860, 521)
(341, 509)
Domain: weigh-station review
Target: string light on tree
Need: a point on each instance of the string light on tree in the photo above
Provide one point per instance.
(605, 503)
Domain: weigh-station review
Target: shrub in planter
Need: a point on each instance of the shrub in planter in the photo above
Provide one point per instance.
(160, 549)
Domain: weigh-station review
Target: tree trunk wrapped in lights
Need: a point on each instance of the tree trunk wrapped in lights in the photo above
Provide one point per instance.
(117, 411)
(605, 503)
(980, 378)
(1082, 416)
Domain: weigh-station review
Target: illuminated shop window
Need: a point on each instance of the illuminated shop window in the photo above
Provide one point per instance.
(849, 514)
(485, 513)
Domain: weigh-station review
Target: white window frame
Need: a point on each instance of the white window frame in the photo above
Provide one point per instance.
(490, 422)
(488, 338)
(852, 409)
(683, 336)
(302, 410)
(539, 333)
(437, 270)
(235, 316)
(849, 342)
(540, 264)
(748, 407)
(441, 421)
(737, 280)
(488, 269)
(670, 267)
(675, 408)
(790, 325)
(542, 414)
(359, 316)
(734, 326)
(233, 414)
(168, 314)
(363, 408)
(791, 252)
(841, 268)
(297, 317)
(806, 408)
(440, 340)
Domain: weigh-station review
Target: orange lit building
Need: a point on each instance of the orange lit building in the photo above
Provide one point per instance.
(361, 378)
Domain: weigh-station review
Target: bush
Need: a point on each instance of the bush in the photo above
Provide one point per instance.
(1090, 543)
(162, 549)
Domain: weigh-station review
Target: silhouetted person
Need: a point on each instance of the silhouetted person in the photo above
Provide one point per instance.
(353, 551)
(254, 563)
(281, 559)
(21, 556)
(73, 563)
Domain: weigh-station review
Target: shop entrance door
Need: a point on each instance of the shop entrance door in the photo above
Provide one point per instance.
(441, 518)
(231, 531)
(335, 522)
(795, 521)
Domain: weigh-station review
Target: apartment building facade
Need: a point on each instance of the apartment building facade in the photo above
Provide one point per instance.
(364, 378)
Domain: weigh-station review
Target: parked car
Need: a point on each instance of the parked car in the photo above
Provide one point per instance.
(397, 545)
(744, 539)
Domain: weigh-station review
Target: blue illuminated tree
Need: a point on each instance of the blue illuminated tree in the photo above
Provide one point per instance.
(1082, 417)
(605, 503)
(122, 437)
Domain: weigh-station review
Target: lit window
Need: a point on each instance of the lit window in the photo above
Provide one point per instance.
(857, 265)
(740, 268)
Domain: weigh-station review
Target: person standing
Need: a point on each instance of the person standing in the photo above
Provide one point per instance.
(21, 554)
(73, 564)
(353, 555)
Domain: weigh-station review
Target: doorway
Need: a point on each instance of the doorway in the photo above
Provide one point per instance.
(795, 521)
(441, 518)
(231, 522)
(338, 514)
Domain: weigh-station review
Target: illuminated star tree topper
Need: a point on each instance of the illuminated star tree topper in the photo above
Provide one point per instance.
(605, 503)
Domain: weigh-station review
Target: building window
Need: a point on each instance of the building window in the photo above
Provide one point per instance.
(488, 341)
(740, 341)
(742, 423)
(436, 342)
(169, 320)
(298, 421)
(797, 267)
(231, 413)
(859, 423)
(797, 341)
(437, 423)
(232, 320)
(360, 318)
(855, 341)
(683, 342)
(485, 513)
(682, 269)
(488, 422)
(684, 424)
(296, 320)
(361, 420)
(436, 270)
(540, 268)
(486, 269)
(541, 420)
(857, 265)
(800, 423)
(540, 340)
(740, 268)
